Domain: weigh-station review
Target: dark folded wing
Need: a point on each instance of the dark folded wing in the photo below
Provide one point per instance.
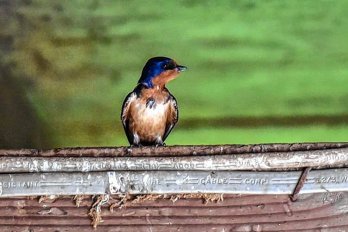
(172, 117)
(125, 115)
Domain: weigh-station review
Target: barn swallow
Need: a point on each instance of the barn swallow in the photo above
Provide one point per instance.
(150, 112)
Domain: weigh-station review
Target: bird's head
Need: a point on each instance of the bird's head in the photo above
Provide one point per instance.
(158, 71)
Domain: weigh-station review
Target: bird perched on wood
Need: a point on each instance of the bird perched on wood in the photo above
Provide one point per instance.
(150, 111)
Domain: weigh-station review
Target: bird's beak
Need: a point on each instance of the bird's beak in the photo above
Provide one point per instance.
(181, 68)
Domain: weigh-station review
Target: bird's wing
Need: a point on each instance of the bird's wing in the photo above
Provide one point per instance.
(125, 115)
(172, 117)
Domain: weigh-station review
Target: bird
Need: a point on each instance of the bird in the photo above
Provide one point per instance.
(150, 112)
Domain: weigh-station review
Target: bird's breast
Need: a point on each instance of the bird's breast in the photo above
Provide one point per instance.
(150, 113)
(155, 111)
(148, 120)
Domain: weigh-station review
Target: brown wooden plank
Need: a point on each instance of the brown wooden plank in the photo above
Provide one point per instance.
(61, 218)
(167, 228)
(311, 212)
(229, 200)
(308, 203)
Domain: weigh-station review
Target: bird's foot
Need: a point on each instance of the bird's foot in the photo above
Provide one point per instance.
(135, 145)
(160, 145)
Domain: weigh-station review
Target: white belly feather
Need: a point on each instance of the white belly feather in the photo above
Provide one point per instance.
(158, 111)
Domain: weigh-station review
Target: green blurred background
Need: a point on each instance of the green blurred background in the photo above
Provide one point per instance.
(259, 71)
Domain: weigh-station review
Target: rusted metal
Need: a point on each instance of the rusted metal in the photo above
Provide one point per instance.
(300, 184)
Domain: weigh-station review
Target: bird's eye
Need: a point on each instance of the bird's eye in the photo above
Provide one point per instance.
(169, 66)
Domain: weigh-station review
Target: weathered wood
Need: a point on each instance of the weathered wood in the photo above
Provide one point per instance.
(178, 208)
(229, 201)
(270, 161)
(171, 150)
(169, 228)
(276, 157)
(311, 212)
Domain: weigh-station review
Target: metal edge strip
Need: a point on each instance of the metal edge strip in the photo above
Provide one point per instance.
(170, 182)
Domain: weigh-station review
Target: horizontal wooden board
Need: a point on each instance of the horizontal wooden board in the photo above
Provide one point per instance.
(314, 212)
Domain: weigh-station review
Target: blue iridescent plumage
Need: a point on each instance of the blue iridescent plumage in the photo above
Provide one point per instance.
(154, 67)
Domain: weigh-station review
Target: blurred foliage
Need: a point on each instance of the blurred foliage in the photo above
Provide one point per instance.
(245, 58)
(19, 126)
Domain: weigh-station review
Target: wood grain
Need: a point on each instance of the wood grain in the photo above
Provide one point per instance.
(235, 213)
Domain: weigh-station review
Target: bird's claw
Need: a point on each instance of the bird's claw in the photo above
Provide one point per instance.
(135, 146)
(160, 145)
